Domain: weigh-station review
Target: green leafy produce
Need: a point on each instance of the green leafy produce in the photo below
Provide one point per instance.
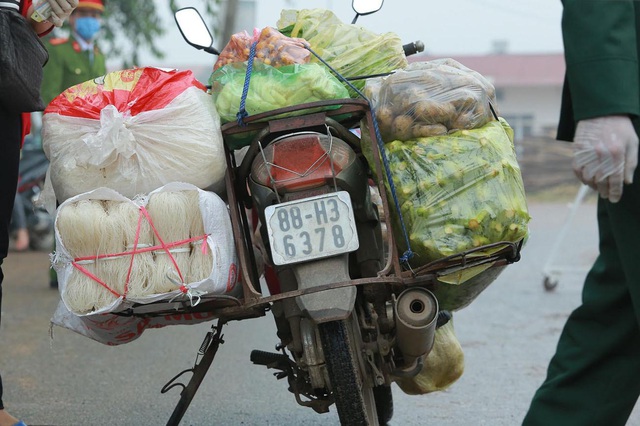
(457, 191)
(351, 50)
(271, 88)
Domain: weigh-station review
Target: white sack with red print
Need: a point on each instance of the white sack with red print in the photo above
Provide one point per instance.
(133, 131)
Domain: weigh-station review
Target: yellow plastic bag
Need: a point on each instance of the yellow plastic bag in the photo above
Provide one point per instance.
(442, 367)
(457, 191)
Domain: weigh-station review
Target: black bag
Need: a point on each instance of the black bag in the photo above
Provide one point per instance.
(22, 57)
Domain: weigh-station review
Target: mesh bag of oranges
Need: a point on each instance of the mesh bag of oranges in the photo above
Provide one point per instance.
(272, 47)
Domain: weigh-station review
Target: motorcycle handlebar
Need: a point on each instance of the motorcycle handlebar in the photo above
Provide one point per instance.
(409, 49)
(413, 48)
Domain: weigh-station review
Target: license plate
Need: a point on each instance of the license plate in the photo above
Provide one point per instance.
(311, 228)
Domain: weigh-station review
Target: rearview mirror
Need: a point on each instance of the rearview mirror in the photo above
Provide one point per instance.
(194, 30)
(365, 7)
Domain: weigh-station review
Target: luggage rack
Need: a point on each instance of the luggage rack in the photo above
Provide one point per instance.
(252, 303)
(229, 308)
(504, 252)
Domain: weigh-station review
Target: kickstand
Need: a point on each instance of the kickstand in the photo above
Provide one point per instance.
(207, 351)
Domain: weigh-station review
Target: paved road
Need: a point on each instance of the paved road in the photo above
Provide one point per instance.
(508, 334)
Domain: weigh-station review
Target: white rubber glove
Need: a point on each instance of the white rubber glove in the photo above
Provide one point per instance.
(60, 10)
(605, 154)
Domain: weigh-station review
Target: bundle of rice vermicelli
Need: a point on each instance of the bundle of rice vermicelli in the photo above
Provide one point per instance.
(137, 234)
(112, 251)
(80, 226)
(169, 213)
(201, 259)
(212, 267)
(111, 267)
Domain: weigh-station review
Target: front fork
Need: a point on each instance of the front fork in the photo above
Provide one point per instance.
(297, 318)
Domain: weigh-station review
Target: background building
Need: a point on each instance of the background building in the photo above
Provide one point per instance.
(528, 88)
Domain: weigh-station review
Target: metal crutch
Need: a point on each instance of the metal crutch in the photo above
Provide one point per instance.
(551, 273)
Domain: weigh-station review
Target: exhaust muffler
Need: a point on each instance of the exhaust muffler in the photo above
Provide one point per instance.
(416, 315)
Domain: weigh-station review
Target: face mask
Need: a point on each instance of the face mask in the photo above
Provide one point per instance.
(87, 27)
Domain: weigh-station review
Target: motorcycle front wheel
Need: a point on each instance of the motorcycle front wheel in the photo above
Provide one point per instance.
(355, 400)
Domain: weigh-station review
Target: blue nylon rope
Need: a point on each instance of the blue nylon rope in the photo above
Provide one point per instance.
(408, 254)
(242, 112)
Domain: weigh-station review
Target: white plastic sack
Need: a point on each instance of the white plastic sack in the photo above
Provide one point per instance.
(99, 324)
(133, 131)
(111, 329)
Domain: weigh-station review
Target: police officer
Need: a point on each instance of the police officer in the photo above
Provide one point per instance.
(75, 59)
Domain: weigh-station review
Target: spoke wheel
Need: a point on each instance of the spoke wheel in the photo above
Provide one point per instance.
(354, 399)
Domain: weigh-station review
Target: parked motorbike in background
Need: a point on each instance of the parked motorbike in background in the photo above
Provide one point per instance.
(350, 320)
(33, 169)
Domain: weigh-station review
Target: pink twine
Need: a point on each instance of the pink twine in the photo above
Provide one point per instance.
(96, 279)
(165, 246)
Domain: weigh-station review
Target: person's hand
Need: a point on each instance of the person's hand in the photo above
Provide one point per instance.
(605, 154)
(60, 10)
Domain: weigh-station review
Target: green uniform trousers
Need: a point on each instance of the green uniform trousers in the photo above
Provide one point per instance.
(594, 377)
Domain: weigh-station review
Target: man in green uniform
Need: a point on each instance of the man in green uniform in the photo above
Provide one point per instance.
(594, 377)
(75, 59)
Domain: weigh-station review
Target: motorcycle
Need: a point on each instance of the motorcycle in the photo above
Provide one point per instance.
(350, 319)
(33, 169)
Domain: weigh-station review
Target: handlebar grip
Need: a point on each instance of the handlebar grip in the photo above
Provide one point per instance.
(413, 48)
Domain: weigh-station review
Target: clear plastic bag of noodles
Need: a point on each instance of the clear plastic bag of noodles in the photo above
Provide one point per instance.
(273, 48)
(351, 50)
(270, 88)
(457, 192)
(431, 98)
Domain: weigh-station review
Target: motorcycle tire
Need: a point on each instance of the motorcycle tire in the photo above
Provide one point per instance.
(384, 403)
(354, 400)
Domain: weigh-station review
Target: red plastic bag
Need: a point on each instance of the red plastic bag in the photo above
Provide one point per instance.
(131, 90)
